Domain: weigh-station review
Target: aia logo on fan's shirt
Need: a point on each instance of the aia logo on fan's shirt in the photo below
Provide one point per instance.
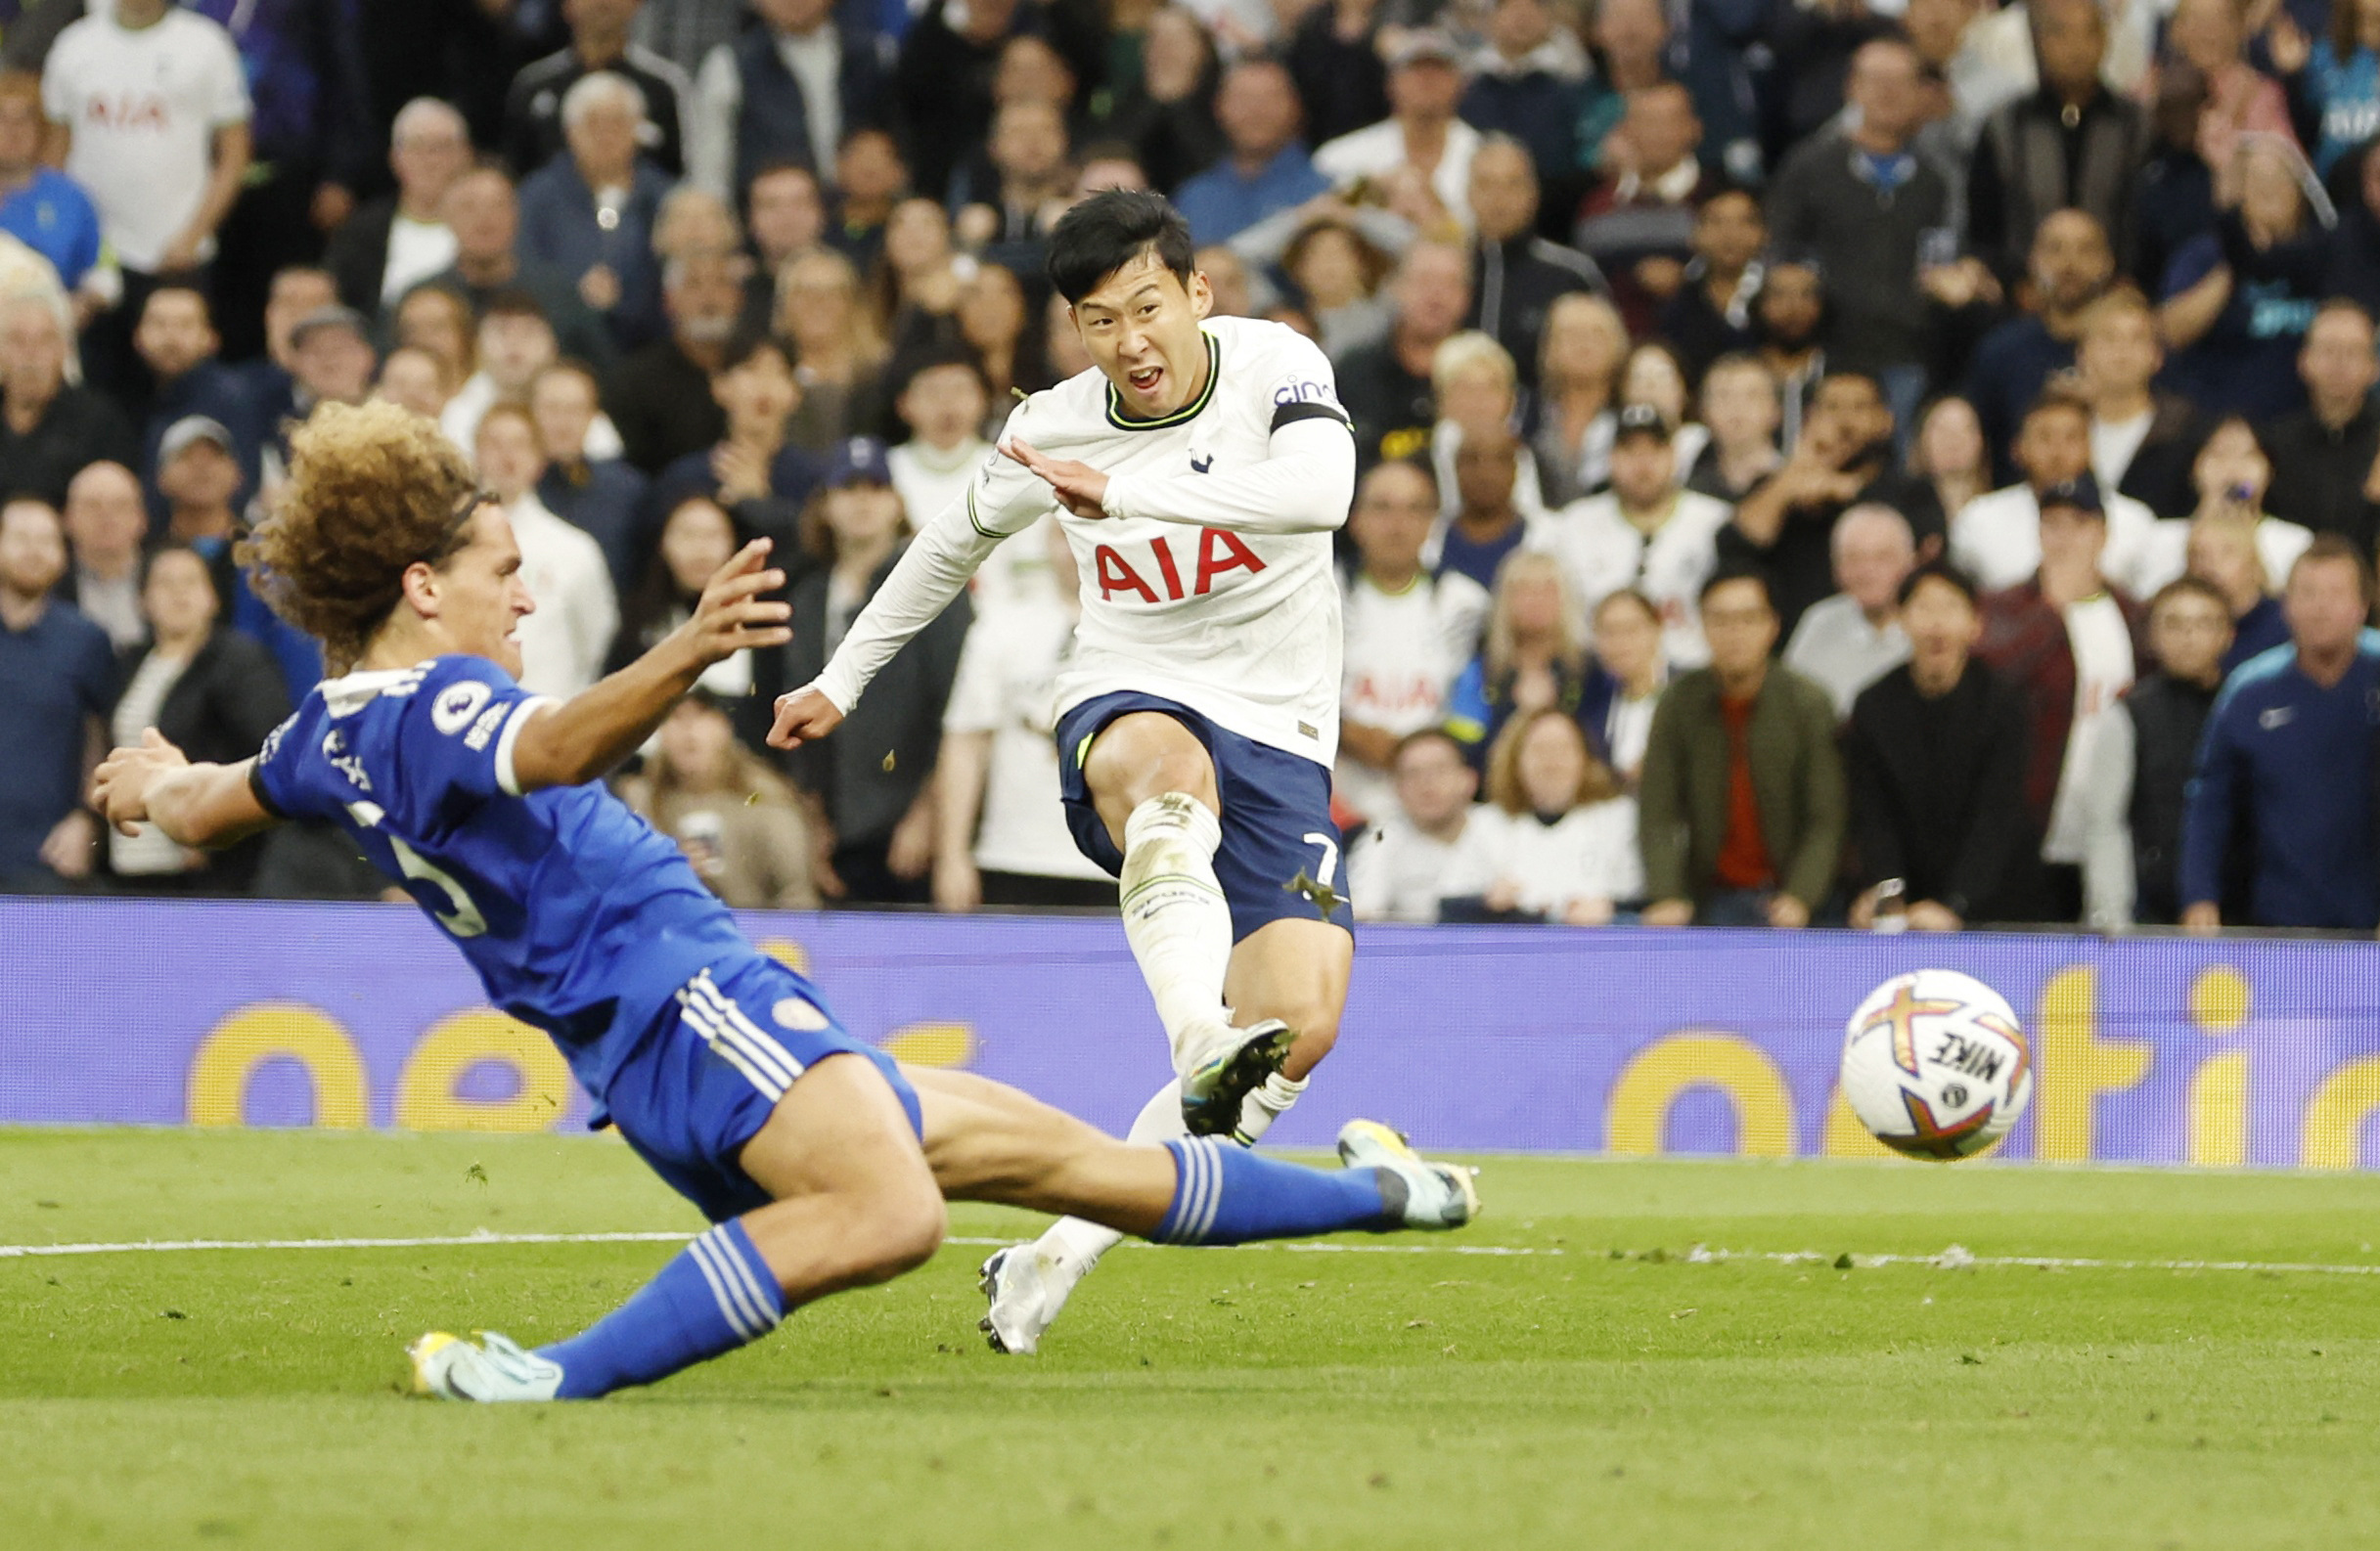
(1219, 553)
(126, 111)
(1390, 698)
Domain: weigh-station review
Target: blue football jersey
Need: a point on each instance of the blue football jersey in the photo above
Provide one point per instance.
(578, 916)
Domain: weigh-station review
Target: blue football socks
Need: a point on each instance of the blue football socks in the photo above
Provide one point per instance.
(715, 1295)
(1225, 1194)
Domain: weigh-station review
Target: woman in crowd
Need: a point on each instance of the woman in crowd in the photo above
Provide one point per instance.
(991, 317)
(438, 318)
(417, 379)
(1477, 388)
(1743, 409)
(1568, 849)
(1533, 654)
(211, 691)
(2231, 474)
(839, 351)
(1624, 688)
(2238, 299)
(917, 278)
(755, 470)
(1578, 382)
(697, 536)
(1340, 274)
(1949, 466)
(1656, 374)
(738, 822)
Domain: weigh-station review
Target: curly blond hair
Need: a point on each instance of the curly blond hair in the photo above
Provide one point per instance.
(373, 490)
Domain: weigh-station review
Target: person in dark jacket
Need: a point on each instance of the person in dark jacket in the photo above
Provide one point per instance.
(396, 242)
(760, 478)
(2143, 442)
(213, 693)
(590, 213)
(598, 41)
(750, 110)
(2070, 264)
(873, 778)
(1528, 83)
(2323, 454)
(1516, 276)
(660, 397)
(2189, 629)
(50, 429)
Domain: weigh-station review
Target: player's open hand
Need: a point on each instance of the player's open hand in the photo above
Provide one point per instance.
(803, 715)
(120, 787)
(732, 616)
(1081, 489)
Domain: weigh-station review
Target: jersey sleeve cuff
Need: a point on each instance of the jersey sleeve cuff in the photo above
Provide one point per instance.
(256, 786)
(507, 779)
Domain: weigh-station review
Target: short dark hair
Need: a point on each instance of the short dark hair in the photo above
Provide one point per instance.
(1108, 231)
(906, 368)
(742, 346)
(2056, 400)
(1735, 573)
(2181, 587)
(2332, 547)
(514, 302)
(1942, 571)
(1428, 735)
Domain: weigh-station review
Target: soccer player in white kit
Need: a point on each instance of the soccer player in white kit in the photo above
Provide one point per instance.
(1199, 473)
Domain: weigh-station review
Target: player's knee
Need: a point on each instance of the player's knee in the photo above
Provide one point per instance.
(907, 1227)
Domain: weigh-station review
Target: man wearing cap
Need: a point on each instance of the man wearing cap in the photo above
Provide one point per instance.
(197, 473)
(1644, 533)
(1420, 134)
(177, 341)
(2066, 640)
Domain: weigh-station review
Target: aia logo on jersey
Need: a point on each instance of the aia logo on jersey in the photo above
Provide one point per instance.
(1219, 553)
(131, 110)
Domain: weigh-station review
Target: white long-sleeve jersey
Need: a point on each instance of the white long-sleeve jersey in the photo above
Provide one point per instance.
(1209, 582)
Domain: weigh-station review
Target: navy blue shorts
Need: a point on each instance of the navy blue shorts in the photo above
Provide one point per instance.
(1280, 846)
(705, 1081)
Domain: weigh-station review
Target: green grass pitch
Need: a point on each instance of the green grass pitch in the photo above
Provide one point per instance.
(1617, 1392)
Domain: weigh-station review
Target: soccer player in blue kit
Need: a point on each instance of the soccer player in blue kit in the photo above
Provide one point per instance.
(821, 1163)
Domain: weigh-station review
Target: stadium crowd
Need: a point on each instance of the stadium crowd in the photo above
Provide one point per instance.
(1895, 462)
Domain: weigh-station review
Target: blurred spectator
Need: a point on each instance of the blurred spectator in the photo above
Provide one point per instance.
(1935, 756)
(1528, 82)
(1478, 395)
(753, 472)
(2229, 477)
(1420, 154)
(585, 486)
(2211, 37)
(331, 351)
(1946, 36)
(942, 83)
(1816, 69)
(1638, 224)
(1789, 321)
(1624, 690)
(589, 214)
(738, 822)
(43, 207)
(2142, 441)
(1785, 528)
(1000, 837)
(2069, 267)
(1996, 539)
(177, 342)
(1645, 532)
(2174, 192)
(870, 179)
(1578, 385)
(1711, 313)
(1409, 634)
(918, 279)
(1488, 524)
(697, 537)
(943, 405)
(1340, 270)
(1567, 847)
(874, 780)
(659, 397)
(484, 214)
(50, 429)
(2288, 750)
(515, 343)
(1335, 57)
(1848, 642)
(693, 220)
(2223, 554)
(2153, 747)
(398, 241)
(414, 378)
(839, 351)
(1007, 205)
(437, 318)
(1741, 805)
(785, 207)
(1516, 276)
(1741, 409)
(2336, 76)
(211, 693)
(1653, 375)
(2323, 454)
(2071, 144)
(1435, 847)
(105, 527)
(788, 90)
(1873, 214)
(536, 111)
(298, 292)
(57, 681)
(563, 641)
(1949, 466)
(1267, 168)
(2064, 640)
(149, 113)
(1532, 655)
(991, 319)
(1629, 42)
(2239, 299)
(1387, 386)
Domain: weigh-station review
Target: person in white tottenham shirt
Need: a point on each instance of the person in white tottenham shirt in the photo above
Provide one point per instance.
(1996, 537)
(153, 104)
(1567, 852)
(1409, 634)
(1645, 532)
(1199, 473)
(943, 404)
(1438, 845)
(1848, 642)
(562, 642)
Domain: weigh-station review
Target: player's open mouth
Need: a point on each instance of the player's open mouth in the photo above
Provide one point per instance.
(1146, 380)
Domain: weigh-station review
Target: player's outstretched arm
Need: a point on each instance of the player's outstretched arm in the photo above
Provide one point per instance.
(1305, 486)
(579, 739)
(208, 806)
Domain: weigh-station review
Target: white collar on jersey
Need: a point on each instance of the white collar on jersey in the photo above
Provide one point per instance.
(350, 695)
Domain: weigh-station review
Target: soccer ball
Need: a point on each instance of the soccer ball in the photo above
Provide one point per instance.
(1936, 1065)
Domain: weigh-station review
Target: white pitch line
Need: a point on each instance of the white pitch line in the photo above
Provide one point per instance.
(1955, 1257)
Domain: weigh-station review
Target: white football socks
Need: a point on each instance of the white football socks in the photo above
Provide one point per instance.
(1073, 1245)
(1177, 920)
(1268, 1103)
